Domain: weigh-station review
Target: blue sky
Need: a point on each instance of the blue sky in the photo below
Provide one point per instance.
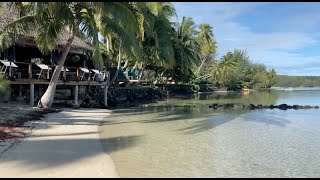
(282, 35)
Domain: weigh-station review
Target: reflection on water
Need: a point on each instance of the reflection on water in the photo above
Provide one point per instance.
(167, 141)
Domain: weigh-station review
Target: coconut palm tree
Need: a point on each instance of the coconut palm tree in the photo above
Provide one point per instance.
(228, 63)
(186, 47)
(127, 33)
(207, 43)
(156, 36)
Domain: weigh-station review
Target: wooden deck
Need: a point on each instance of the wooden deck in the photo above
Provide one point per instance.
(46, 82)
(22, 73)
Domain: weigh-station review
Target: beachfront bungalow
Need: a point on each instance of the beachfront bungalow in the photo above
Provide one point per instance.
(25, 65)
(26, 57)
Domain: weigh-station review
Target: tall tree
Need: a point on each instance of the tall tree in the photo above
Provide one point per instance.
(208, 45)
(186, 48)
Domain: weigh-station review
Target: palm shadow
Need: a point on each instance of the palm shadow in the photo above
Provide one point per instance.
(267, 118)
(220, 119)
(65, 151)
(209, 123)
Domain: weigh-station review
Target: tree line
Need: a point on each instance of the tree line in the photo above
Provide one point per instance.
(298, 81)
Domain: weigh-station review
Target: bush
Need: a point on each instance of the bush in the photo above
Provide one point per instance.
(4, 86)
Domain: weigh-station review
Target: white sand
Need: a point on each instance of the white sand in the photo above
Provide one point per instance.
(65, 144)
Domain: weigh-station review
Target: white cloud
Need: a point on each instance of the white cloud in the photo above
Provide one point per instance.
(273, 48)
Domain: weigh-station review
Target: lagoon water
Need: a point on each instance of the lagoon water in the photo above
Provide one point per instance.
(166, 141)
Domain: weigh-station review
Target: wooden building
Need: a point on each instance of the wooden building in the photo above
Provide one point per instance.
(24, 64)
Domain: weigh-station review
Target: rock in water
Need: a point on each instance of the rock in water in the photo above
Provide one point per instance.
(259, 106)
(252, 106)
(295, 107)
(283, 106)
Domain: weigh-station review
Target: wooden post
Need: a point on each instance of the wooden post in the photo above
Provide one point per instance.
(39, 90)
(10, 70)
(64, 73)
(30, 71)
(48, 73)
(14, 52)
(76, 93)
(32, 94)
(89, 75)
(20, 90)
(106, 96)
(78, 74)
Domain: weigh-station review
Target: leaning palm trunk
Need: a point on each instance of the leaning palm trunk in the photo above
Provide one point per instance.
(125, 64)
(47, 98)
(198, 70)
(157, 80)
(141, 73)
(135, 66)
(108, 75)
(118, 67)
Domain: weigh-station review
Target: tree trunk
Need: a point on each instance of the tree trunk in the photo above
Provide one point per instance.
(118, 67)
(141, 73)
(156, 81)
(47, 98)
(125, 64)
(108, 73)
(202, 63)
(135, 65)
(174, 74)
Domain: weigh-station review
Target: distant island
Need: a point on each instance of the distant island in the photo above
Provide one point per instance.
(297, 81)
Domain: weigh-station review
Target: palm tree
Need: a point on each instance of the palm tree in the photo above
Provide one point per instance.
(156, 37)
(49, 20)
(186, 47)
(207, 43)
(124, 29)
(217, 70)
(228, 62)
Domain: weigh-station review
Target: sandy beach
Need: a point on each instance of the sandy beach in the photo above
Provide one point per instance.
(64, 144)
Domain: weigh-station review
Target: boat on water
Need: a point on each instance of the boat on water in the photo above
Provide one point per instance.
(245, 91)
(288, 89)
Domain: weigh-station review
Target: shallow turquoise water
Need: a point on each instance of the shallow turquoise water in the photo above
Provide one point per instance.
(165, 141)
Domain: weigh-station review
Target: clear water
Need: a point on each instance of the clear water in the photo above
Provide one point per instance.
(166, 141)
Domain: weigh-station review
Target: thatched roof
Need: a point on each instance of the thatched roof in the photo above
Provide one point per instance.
(10, 14)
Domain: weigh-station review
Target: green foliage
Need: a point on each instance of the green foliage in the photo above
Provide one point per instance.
(297, 81)
(235, 71)
(4, 85)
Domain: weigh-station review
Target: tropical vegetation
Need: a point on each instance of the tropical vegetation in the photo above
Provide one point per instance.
(140, 35)
(297, 81)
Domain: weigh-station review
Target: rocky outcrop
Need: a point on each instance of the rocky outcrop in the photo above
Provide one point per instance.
(94, 96)
(260, 106)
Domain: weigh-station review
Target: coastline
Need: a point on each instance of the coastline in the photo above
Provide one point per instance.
(64, 144)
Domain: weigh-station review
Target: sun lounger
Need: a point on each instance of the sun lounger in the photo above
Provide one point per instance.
(44, 68)
(63, 68)
(97, 72)
(84, 70)
(6, 65)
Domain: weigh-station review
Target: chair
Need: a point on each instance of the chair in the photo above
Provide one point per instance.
(96, 72)
(43, 68)
(84, 70)
(62, 70)
(6, 65)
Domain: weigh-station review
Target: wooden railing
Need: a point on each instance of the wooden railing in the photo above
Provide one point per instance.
(30, 70)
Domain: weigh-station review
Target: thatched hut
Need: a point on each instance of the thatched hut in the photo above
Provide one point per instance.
(25, 48)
